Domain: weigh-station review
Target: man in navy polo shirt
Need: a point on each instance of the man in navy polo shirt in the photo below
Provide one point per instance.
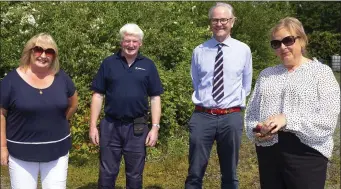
(126, 79)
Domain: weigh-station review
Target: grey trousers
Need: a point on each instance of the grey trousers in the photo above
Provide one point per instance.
(204, 129)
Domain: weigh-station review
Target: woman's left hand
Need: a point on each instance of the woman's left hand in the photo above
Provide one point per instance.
(275, 123)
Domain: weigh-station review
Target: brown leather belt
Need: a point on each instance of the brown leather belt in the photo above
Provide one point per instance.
(218, 111)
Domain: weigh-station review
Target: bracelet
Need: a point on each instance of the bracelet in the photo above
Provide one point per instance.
(156, 125)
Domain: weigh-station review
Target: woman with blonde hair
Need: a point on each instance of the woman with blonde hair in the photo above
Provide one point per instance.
(292, 114)
(37, 100)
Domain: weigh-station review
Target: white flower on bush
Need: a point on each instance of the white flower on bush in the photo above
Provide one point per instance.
(28, 19)
(96, 23)
(23, 31)
(5, 18)
(193, 8)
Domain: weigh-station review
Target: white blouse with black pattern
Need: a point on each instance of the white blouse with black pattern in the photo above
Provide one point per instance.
(309, 97)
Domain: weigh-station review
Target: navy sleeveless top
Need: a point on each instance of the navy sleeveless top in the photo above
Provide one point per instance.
(36, 126)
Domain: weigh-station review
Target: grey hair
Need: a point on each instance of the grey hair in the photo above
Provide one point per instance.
(131, 29)
(225, 5)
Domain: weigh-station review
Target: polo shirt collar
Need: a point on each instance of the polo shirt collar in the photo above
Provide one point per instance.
(119, 55)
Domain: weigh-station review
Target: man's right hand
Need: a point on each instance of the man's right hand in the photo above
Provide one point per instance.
(93, 135)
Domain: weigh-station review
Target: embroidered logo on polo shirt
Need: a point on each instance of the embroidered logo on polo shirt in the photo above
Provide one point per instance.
(137, 68)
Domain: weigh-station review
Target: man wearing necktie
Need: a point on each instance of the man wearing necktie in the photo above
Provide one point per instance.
(221, 71)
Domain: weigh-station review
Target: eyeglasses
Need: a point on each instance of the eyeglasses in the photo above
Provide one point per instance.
(287, 41)
(223, 21)
(38, 51)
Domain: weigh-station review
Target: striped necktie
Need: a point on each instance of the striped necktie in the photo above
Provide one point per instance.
(218, 79)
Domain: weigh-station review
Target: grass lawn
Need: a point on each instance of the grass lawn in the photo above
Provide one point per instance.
(169, 170)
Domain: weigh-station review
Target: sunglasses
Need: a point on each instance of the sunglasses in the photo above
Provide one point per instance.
(38, 51)
(287, 41)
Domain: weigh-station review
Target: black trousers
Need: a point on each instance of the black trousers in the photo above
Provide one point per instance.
(290, 164)
(116, 139)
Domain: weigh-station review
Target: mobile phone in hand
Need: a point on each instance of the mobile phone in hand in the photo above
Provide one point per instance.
(257, 129)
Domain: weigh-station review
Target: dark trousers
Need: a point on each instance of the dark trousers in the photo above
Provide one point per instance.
(290, 164)
(204, 129)
(117, 139)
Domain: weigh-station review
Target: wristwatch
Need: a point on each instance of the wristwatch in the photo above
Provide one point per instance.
(156, 124)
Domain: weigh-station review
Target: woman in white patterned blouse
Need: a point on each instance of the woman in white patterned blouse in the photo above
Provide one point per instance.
(292, 114)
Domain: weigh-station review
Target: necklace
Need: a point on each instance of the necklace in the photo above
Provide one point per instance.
(40, 91)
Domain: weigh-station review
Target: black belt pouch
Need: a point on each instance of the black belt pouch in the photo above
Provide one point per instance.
(139, 124)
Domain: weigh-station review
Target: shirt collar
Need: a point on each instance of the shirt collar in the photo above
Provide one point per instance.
(227, 42)
(119, 55)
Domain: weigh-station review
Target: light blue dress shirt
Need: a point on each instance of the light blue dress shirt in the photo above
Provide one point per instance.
(237, 73)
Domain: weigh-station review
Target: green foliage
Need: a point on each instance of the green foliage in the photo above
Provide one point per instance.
(321, 21)
(319, 16)
(86, 33)
(323, 45)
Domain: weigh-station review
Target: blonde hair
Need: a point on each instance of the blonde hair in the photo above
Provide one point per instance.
(44, 38)
(131, 29)
(295, 27)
